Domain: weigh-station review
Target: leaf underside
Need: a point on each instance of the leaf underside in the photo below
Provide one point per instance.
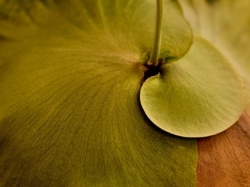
(224, 159)
(69, 89)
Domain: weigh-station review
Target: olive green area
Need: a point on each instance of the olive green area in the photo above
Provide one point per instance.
(226, 25)
(69, 96)
(198, 95)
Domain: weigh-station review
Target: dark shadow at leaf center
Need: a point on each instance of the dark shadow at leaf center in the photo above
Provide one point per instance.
(152, 70)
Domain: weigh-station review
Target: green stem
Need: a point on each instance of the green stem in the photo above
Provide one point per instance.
(153, 61)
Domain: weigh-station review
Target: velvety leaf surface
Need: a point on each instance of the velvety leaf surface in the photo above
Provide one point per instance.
(69, 96)
(199, 95)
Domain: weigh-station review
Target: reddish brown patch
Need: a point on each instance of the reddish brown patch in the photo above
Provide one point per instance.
(224, 159)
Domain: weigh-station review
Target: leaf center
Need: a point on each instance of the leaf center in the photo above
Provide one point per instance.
(152, 70)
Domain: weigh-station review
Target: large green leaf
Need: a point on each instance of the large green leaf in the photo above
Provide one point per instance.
(199, 95)
(69, 85)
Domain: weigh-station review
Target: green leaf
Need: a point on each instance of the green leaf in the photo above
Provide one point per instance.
(199, 95)
(224, 159)
(226, 25)
(69, 84)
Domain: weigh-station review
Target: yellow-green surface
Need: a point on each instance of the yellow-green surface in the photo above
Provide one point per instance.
(69, 96)
(198, 95)
(225, 23)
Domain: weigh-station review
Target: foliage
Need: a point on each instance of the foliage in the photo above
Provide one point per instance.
(70, 81)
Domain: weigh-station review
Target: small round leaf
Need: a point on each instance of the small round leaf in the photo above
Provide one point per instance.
(199, 95)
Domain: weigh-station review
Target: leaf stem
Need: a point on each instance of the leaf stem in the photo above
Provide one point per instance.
(153, 61)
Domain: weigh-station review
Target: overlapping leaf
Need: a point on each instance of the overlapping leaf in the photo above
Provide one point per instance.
(224, 158)
(225, 24)
(69, 84)
(199, 95)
